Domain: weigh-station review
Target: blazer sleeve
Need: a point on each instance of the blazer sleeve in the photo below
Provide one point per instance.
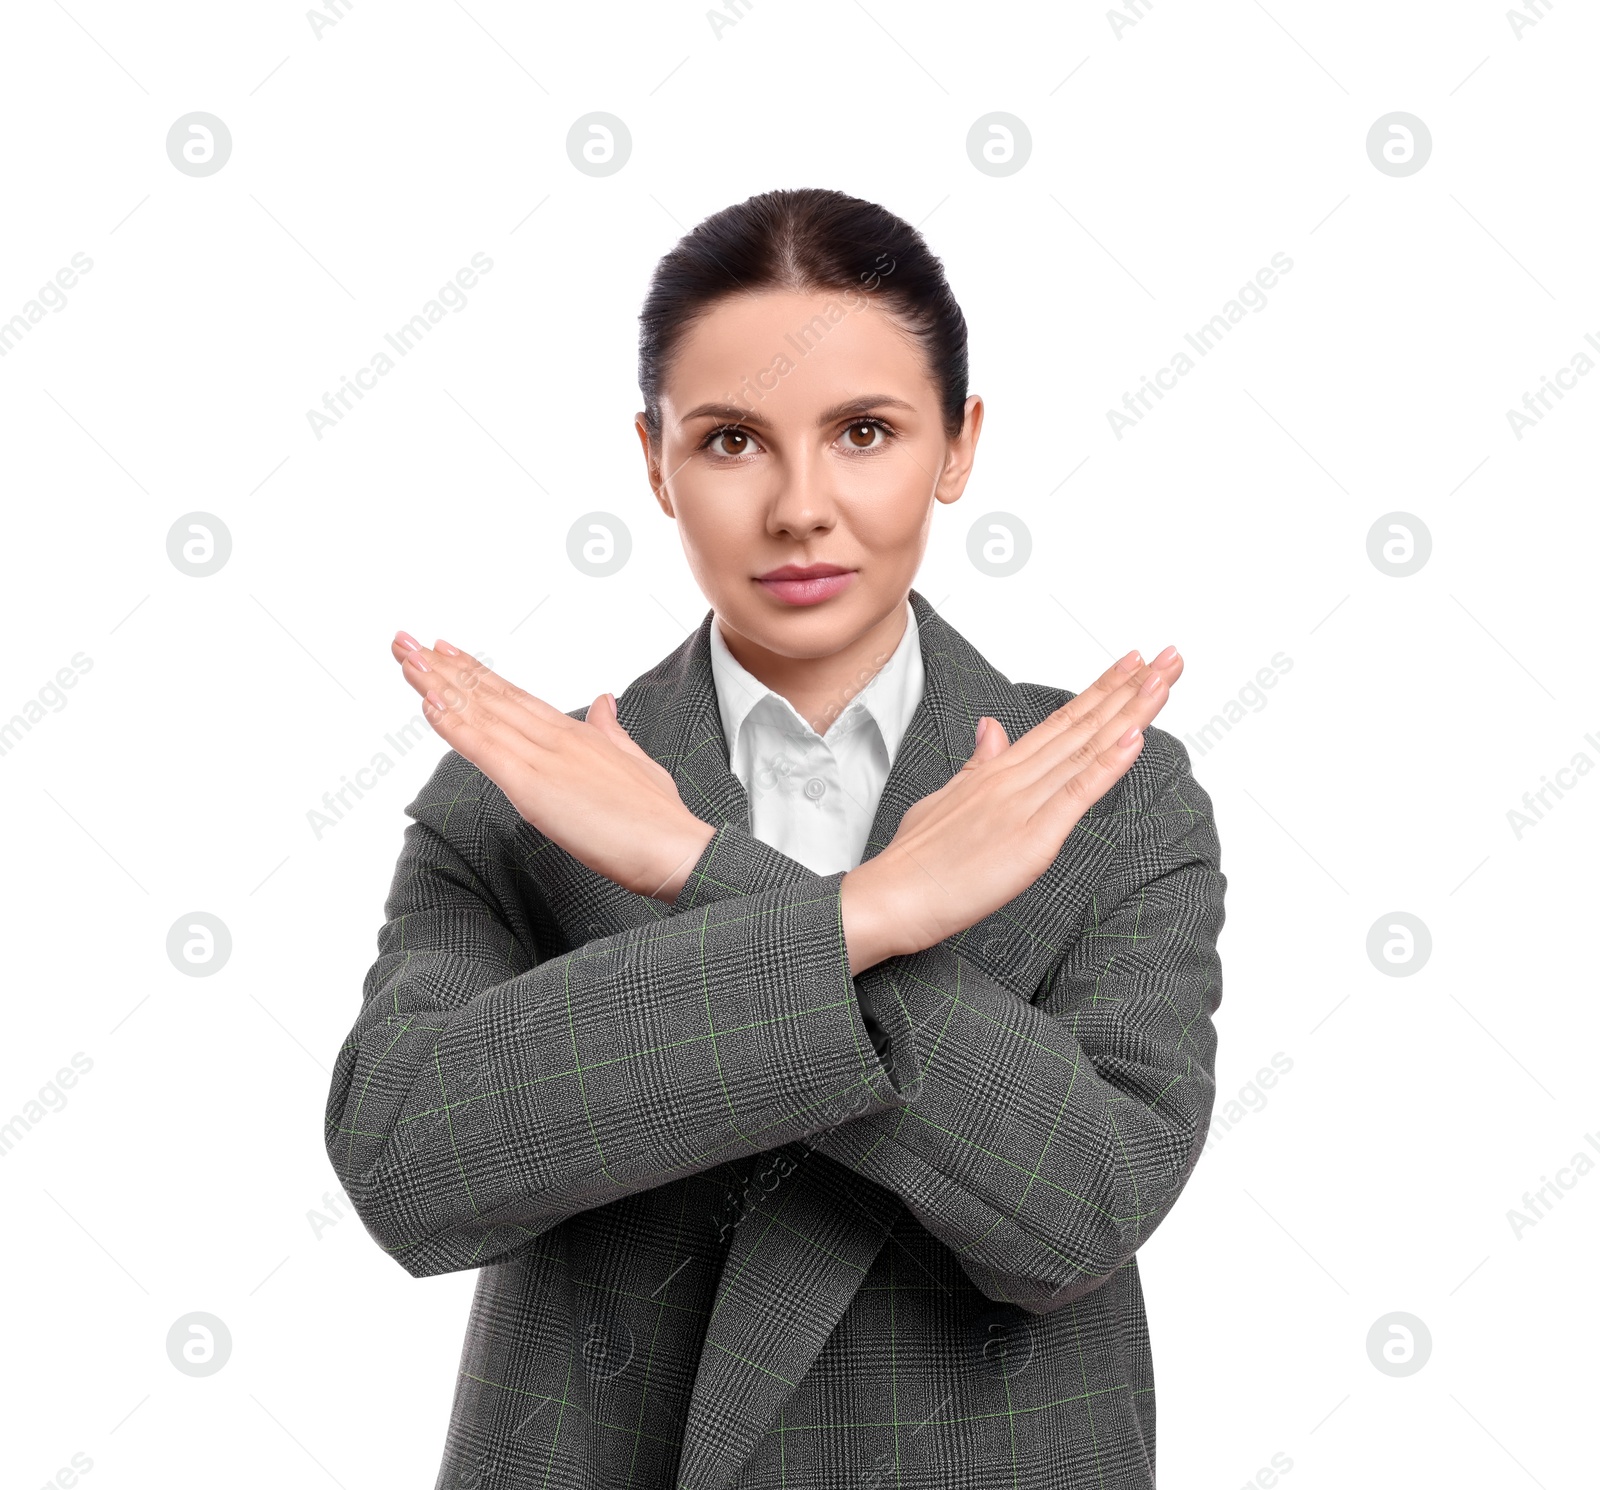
(1049, 1138)
(486, 1092)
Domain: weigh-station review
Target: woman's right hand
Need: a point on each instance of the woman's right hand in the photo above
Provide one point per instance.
(587, 785)
(967, 849)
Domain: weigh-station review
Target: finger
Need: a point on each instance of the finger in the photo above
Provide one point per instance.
(500, 741)
(484, 741)
(602, 714)
(535, 718)
(1100, 699)
(991, 740)
(507, 733)
(1114, 687)
(1086, 772)
(462, 678)
(1067, 806)
(1070, 731)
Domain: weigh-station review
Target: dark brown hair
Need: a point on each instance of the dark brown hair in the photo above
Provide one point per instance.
(807, 239)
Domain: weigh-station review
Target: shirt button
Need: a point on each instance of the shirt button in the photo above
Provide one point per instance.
(815, 788)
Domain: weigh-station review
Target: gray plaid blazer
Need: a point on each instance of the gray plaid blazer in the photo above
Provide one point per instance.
(725, 1236)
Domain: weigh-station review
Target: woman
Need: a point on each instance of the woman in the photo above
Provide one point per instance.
(810, 1036)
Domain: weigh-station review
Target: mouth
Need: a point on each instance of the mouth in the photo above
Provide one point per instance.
(805, 584)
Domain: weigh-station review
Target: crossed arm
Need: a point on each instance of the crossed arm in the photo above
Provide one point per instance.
(1047, 1139)
(484, 1096)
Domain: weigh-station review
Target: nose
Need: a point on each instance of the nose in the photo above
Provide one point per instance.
(805, 501)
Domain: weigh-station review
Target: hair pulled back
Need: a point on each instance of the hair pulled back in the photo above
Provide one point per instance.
(807, 240)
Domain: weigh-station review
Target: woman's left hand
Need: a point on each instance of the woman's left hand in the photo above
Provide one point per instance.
(585, 784)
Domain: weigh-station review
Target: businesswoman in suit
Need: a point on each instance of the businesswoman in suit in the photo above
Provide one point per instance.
(803, 1042)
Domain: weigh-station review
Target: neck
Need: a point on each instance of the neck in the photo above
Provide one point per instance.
(820, 687)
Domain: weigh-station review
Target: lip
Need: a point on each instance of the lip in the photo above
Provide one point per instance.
(806, 584)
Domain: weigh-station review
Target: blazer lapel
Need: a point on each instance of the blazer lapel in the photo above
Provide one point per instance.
(802, 1251)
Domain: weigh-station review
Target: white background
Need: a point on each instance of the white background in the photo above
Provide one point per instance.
(1169, 163)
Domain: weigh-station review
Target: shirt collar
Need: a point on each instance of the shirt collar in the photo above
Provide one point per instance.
(889, 699)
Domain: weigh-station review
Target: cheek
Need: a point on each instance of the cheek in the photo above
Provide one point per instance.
(716, 521)
(889, 503)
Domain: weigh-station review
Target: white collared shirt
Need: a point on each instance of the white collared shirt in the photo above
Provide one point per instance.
(813, 797)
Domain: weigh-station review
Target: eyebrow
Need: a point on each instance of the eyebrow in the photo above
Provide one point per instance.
(736, 414)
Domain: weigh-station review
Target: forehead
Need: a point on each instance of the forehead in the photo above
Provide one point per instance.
(800, 350)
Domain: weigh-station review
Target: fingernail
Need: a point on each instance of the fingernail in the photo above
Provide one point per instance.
(613, 699)
(418, 661)
(1151, 683)
(443, 646)
(1167, 656)
(1131, 734)
(407, 640)
(1130, 662)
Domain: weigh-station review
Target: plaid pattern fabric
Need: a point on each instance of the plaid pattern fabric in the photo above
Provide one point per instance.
(723, 1243)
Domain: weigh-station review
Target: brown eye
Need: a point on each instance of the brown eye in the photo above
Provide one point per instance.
(857, 431)
(737, 441)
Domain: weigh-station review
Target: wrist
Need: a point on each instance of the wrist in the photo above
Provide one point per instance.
(866, 913)
(688, 846)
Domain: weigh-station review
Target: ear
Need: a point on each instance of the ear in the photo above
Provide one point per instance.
(652, 464)
(961, 452)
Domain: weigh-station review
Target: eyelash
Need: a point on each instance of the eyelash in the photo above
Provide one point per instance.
(872, 419)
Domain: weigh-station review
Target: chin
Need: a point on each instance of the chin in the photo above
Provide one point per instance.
(802, 630)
